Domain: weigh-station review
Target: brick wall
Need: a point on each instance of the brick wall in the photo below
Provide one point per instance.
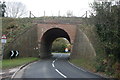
(82, 46)
(28, 42)
(70, 29)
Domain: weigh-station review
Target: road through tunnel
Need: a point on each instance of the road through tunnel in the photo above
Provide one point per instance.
(47, 39)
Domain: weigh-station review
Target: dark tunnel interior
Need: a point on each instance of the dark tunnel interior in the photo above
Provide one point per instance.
(48, 38)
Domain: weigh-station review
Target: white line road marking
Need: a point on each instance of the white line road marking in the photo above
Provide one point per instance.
(53, 65)
(60, 73)
(54, 61)
(77, 67)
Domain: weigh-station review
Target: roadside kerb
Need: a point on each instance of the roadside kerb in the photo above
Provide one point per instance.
(21, 67)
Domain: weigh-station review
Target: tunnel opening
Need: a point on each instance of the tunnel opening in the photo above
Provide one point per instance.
(47, 39)
(61, 45)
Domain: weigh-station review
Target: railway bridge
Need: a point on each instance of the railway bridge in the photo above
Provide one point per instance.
(37, 41)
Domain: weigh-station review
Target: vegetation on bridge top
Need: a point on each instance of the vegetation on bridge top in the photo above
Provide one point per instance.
(13, 27)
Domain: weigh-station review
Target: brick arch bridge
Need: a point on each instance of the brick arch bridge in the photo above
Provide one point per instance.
(37, 41)
(47, 33)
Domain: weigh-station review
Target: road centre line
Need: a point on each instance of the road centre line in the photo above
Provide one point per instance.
(53, 65)
(54, 61)
(60, 73)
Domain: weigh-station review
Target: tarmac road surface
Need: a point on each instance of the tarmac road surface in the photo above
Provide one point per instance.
(56, 67)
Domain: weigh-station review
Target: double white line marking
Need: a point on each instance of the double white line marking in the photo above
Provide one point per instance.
(53, 65)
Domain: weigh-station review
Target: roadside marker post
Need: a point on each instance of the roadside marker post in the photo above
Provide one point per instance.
(3, 41)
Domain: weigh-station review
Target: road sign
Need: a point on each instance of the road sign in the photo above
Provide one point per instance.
(66, 49)
(3, 39)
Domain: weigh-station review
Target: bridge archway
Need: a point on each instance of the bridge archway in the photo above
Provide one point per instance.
(47, 39)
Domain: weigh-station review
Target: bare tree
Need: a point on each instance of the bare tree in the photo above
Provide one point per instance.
(15, 9)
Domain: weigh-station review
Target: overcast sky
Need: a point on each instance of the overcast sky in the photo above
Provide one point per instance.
(52, 7)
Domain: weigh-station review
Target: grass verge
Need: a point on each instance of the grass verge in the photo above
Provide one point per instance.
(86, 64)
(11, 63)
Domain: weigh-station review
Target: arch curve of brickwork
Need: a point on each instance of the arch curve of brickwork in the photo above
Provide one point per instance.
(47, 39)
